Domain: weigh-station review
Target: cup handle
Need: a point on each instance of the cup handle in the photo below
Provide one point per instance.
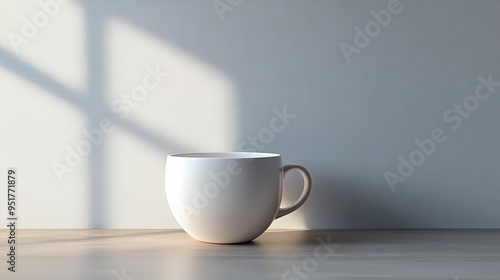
(305, 192)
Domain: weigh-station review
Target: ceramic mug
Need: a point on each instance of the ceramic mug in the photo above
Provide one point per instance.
(228, 197)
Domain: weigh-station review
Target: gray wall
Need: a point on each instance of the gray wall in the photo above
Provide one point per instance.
(353, 118)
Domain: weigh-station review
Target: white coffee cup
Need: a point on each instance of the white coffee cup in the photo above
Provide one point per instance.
(228, 197)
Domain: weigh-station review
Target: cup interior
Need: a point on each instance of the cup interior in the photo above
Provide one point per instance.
(228, 155)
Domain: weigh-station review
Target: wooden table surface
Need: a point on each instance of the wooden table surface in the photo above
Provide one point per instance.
(283, 254)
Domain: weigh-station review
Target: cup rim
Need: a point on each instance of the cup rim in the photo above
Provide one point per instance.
(225, 155)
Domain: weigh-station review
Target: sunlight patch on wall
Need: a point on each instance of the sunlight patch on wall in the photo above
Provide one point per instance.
(192, 107)
(50, 39)
(135, 179)
(38, 127)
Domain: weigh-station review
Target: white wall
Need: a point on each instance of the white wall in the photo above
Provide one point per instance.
(67, 67)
